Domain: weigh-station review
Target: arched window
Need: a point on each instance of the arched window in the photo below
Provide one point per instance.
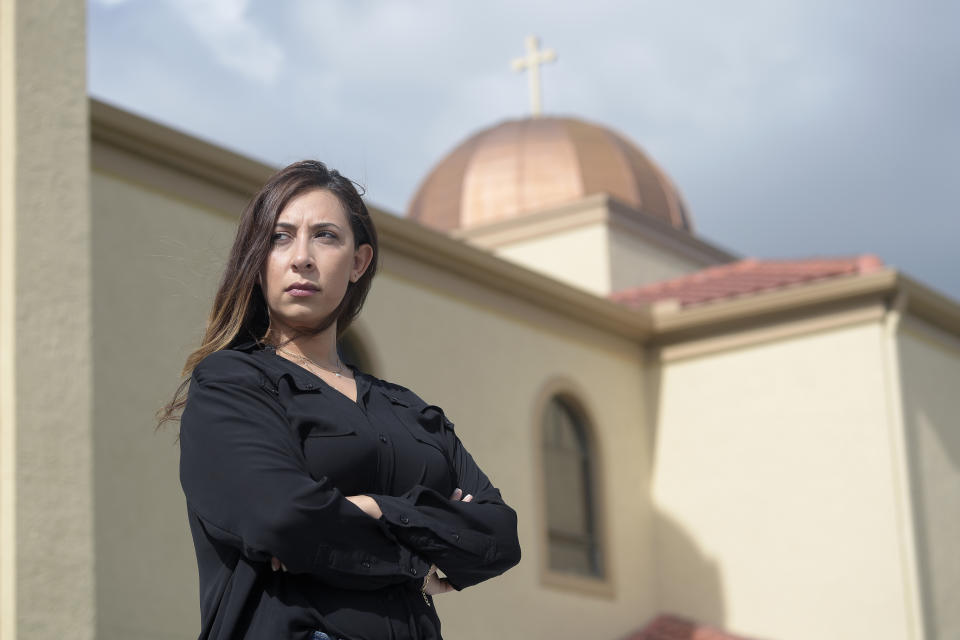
(571, 509)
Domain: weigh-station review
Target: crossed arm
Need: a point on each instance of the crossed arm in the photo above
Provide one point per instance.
(371, 508)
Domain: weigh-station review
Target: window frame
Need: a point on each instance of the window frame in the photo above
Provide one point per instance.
(573, 396)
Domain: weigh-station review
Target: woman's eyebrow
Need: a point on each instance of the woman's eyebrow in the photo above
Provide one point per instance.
(315, 225)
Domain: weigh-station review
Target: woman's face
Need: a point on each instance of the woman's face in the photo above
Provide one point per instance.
(312, 246)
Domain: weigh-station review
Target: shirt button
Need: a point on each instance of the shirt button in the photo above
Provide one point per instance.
(456, 536)
(383, 438)
(404, 519)
(413, 571)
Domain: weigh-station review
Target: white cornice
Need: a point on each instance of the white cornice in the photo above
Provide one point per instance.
(202, 162)
(176, 150)
(596, 208)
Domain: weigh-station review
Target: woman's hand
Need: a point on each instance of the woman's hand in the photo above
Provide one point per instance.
(370, 507)
(458, 492)
(367, 504)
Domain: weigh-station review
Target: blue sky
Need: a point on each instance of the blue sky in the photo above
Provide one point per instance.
(794, 128)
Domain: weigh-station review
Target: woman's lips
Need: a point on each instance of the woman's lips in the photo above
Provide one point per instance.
(301, 292)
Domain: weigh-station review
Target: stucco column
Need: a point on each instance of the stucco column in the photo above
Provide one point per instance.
(46, 499)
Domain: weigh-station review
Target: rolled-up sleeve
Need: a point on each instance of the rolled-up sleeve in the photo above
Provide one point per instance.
(469, 541)
(245, 479)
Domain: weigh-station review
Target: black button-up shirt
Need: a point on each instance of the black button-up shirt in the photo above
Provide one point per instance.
(268, 452)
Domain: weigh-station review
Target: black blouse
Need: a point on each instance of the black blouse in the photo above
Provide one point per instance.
(268, 452)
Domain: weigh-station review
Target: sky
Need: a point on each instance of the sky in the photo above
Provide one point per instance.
(793, 128)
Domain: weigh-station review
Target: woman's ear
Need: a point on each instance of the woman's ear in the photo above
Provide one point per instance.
(361, 260)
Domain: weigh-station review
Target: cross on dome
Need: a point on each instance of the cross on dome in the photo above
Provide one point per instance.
(531, 63)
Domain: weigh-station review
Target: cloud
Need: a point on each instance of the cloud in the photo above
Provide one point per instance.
(792, 127)
(236, 42)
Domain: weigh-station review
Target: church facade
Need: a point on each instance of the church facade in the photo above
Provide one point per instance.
(694, 441)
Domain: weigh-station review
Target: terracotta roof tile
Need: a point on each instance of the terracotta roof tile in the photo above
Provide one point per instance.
(744, 277)
(667, 627)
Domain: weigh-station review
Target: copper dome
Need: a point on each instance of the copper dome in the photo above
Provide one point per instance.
(521, 166)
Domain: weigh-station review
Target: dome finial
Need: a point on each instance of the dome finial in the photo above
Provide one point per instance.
(531, 62)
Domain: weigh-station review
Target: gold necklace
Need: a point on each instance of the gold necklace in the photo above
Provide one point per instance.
(304, 359)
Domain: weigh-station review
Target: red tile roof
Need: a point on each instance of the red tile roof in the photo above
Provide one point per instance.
(666, 627)
(744, 277)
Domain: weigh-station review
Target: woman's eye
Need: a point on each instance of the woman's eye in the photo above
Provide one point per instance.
(282, 235)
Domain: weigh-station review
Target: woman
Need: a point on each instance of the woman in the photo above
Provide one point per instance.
(322, 500)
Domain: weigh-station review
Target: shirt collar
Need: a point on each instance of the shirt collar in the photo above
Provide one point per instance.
(275, 367)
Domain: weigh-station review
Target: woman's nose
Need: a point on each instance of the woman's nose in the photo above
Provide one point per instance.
(302, 258)
(303, 263)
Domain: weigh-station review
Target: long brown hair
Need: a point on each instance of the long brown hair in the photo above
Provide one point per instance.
(239, 311)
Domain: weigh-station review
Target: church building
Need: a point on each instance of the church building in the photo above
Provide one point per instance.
(698, 444)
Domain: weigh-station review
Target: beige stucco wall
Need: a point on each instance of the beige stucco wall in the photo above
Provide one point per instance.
(636, 260)
(930, 364)
(46, 512)
(774, 486)
(578, 256)
(156, 262)
(483, 356)
(602, 252)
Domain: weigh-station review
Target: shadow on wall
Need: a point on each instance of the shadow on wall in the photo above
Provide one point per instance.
(933, 453)
(687, 582)
(930, 363)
